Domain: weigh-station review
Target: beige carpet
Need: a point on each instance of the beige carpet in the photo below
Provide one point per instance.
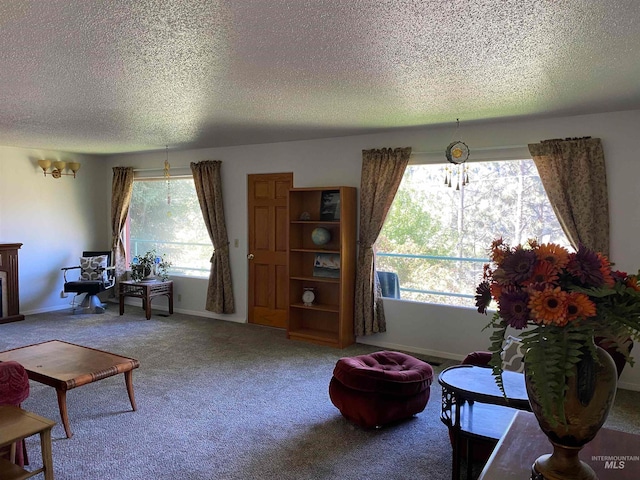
(219, 400)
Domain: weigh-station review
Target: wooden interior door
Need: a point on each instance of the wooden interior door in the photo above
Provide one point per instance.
(267, 258)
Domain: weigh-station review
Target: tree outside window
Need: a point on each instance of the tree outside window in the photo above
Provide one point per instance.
(436, 237)
(168, 218)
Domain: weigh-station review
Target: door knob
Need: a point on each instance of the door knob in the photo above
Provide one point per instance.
(250, 256)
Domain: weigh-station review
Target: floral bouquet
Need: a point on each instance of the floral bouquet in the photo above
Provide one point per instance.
(149, 264)
(561, 301)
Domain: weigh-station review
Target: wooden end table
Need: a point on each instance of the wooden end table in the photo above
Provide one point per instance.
(16, 424)
(64, 366)
(613, 455)
(474, 408)
(146, 290)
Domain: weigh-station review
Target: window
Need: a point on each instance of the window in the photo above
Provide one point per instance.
(436, 237)
(175, 229)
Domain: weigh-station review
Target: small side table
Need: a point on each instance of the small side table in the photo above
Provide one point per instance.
(146, 291)
(474, 408)
(16, 424)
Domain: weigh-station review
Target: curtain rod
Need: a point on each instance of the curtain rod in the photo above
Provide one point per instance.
(481, 149)
(161, 169)
(158, 169)
(158, 173)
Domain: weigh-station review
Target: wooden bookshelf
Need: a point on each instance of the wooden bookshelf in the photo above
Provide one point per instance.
(329, 320)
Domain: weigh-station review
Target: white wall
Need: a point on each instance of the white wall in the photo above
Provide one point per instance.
(54, 219)
(445, 331)
(432, 329)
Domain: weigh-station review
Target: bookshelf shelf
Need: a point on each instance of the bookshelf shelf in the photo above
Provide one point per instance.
(316, 279)
(314, 250)
(319, 307)
(329, 270)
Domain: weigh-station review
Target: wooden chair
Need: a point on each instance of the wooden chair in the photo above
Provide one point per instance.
(14, 389)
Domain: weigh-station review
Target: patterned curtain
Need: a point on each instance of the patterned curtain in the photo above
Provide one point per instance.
(206, 176)
(121, 190)
(382, 172)
(574, 176)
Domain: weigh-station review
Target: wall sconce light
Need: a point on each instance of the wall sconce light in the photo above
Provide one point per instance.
(58, 168)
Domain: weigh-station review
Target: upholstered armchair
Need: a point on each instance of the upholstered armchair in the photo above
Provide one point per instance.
(14, 389)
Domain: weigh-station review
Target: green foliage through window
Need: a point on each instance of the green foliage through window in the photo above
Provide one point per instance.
(436, 237)
(173, 228)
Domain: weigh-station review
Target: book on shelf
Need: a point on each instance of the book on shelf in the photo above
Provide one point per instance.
(330, 205)
(327, 265)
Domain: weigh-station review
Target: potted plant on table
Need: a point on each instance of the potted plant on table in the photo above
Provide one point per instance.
(560, 301)
(149, 265)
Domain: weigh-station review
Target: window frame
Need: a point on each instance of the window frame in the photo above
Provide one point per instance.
(479, 155)
(156, 175)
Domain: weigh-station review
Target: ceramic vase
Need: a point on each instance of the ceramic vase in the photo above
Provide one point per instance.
(588, 399)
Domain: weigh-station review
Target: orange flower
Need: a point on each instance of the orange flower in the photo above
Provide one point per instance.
(486, 271)
(605, 268)
(553, 254)
(549, 306)
(498, 250)
(496, 290)
(543, 272)
(579, 306)
(632, 282)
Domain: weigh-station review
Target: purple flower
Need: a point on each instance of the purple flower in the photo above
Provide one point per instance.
(483, 297)
(518, 266)
(513, 308)
(585, 265)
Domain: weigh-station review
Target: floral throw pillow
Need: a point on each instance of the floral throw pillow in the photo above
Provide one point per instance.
(512, 355)
(93, 268)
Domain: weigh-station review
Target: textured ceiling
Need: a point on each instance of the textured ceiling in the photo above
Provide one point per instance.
(133, 75)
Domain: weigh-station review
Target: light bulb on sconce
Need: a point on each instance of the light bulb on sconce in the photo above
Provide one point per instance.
(44, 164)
(58, 168)
(74, 167)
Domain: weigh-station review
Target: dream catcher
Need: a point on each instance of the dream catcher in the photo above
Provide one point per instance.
(457, 153)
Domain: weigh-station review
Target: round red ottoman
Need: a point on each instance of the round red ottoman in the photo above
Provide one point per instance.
(380, 388)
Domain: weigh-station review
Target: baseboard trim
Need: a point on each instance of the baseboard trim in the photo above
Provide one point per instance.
(135, 302)
(629, 386)
(47, 309)
(423, 351)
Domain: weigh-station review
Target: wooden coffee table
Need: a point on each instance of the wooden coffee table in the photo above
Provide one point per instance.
(64, 366)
